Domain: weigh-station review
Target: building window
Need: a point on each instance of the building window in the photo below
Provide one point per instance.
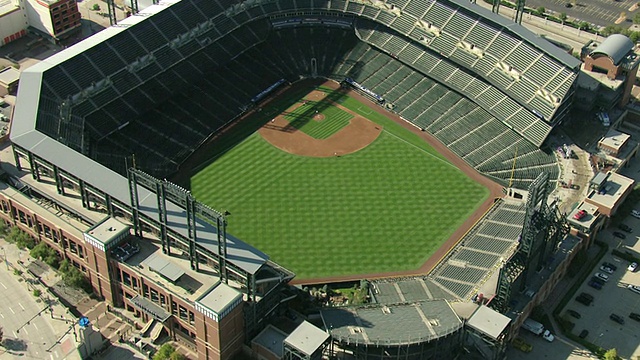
(174, 308)
(72, 247)
(145, 290)
(183, 313)
(154, 296)
(192, 318)
(163, 300)
(135, 283)
(126, 279)
(80, 252)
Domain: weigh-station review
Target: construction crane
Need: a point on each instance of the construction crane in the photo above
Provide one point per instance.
(513, 167)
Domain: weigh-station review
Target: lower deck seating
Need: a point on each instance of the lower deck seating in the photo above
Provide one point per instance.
(180, 124)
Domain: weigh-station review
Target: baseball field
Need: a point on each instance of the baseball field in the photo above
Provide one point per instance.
(329, 187)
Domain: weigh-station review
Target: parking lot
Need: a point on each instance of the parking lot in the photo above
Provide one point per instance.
(599, 12)
(613, 298)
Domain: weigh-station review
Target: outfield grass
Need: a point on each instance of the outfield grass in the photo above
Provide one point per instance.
(387, 207)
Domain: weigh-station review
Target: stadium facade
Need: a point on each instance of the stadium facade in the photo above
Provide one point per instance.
(149, 91)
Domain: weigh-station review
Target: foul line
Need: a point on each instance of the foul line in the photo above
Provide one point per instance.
(423, 150)
(365, 110)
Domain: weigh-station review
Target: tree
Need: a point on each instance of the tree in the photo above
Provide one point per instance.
(541, 10)
(45, 253)
(636, 18)
(611, 354)
(563, 17)
(177, 356)
(20, 238)
(164, 352)
(74, 277)
(95, 7)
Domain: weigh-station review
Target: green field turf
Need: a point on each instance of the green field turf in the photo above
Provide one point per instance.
(334, 119)
(387, 207)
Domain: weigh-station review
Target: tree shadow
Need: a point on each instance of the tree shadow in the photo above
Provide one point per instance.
(14, 344)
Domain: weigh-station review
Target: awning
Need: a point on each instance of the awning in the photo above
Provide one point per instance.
(150, 308)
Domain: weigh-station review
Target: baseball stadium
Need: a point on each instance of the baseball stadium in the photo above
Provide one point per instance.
(307, 142)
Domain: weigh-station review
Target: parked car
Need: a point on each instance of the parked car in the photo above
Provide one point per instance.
(602, 276)
(548, 336)
(608, 270)
(635, 316)
(635, 214)
(584, 301)
(619, 235)
(634, 288)
(625, 228)
(580, 214)
(617, 318)
(632, 267)
(522, 345)
(574, 314)
(598, 280)
(596, 285)
(610, 266)
(583, 334)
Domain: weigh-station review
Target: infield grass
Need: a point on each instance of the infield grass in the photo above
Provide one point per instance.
(334, 119)
(387, 207)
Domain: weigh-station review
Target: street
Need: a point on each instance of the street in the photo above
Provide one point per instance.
(28, 333)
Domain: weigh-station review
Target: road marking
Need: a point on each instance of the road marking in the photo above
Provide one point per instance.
(14, 334)
(56, 354)
(22, 306)
(35, 326)
(2, 315)
(51, 356)
(25, 331)
(13, 312)
(3, 285)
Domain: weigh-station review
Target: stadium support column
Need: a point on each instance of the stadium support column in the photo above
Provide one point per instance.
(33, 164)
(16, 158)
(135, 205)
(191, 226)
(83, 195)
(495, 7)
(162, 216)
(134, 7)
(111, 6)
(519, 10)
(58, 179)
(108, 204)
(222, 247)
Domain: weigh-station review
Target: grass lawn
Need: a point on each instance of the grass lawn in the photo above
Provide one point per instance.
(334, 119)
(387, 207)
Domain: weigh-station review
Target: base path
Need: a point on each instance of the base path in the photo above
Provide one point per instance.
(357, 135)
(495, 191)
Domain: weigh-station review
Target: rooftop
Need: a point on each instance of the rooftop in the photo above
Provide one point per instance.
(271, 338)
(588, 219)
(70, 225)
(392, 324)
(219, 297)
(9, 74)
(592, 80)
(7, 6)
(108, 230)
(488, 321)
(614, 139)
(188, 286)
(611, 193)
(306, 338)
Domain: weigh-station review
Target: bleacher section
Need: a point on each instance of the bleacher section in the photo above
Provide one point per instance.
(479, 253)
(186, 82)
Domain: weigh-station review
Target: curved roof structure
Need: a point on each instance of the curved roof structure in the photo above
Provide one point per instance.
(615, 46)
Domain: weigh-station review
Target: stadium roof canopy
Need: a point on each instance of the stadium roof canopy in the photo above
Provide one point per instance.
(616, 46)
(392, 324)
(525, 34)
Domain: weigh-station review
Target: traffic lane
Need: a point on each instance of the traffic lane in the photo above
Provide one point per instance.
(24, 320)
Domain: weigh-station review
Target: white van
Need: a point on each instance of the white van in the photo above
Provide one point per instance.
(604, 118)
